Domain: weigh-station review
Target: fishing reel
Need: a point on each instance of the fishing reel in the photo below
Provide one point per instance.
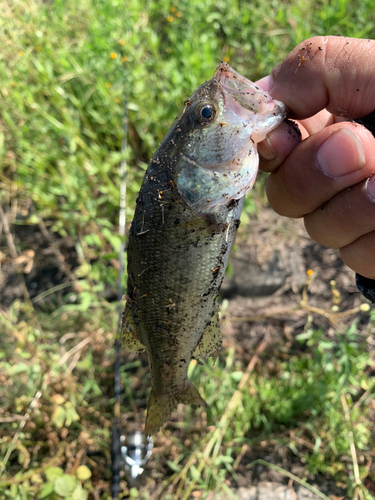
(130, 454)
(136, 450)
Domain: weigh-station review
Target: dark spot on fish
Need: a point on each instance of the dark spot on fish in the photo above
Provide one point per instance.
(232, 204)
(176, 221)
(207, 293)
(219, 228)
(224, 248)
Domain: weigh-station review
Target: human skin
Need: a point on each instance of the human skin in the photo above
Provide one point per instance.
(327, 176)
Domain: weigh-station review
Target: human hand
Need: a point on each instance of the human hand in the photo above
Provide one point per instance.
(328, 177)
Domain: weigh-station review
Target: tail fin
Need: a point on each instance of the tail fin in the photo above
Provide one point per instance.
(160, 407)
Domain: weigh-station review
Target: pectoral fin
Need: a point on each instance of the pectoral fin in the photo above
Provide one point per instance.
(210, 343)
(129, 339)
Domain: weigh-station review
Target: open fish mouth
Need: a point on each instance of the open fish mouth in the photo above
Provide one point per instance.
(248, 97)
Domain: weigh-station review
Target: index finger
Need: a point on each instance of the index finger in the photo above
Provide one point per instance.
(336, 73)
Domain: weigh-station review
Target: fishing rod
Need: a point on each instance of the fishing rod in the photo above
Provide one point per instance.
(129, 453)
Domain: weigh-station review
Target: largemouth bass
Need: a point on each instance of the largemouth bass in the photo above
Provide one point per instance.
(186, 216)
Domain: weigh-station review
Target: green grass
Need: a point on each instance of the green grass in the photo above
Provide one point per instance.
(69, 73)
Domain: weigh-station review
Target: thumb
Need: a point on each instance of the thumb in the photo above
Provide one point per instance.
(336, 73)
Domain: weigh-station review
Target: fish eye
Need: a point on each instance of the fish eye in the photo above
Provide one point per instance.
(205, 113)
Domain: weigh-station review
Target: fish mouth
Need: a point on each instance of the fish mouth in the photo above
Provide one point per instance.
(231, 80)
(251, 98)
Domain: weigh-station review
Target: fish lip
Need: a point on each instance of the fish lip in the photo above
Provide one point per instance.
(224, 74)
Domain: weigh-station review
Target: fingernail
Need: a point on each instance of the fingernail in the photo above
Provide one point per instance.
(342, 153)
(370, 188)
(266, 150)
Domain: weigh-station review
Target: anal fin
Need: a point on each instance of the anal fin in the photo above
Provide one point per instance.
(129, 339)
(210, 342)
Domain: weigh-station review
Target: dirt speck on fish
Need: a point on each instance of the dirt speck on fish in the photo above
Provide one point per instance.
(187, 213)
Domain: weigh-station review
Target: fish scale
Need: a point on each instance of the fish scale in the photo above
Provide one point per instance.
(187, 213)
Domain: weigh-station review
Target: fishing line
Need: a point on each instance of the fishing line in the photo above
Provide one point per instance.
(116, 431)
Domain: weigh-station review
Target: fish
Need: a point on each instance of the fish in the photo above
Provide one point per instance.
(186, 216)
